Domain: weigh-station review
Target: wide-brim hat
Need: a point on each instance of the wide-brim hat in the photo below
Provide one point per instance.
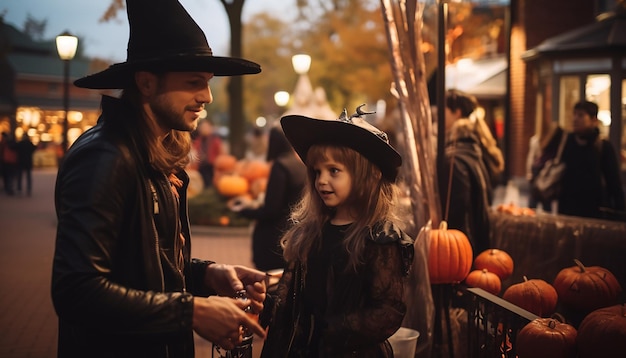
(164, 38)
(353, 132)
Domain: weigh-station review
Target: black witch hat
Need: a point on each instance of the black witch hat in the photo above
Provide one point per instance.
(164, 38)
(353, 132)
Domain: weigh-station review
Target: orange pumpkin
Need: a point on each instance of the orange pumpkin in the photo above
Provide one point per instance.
(496, 261)
(254, 169)
(536, 296)
(546, 338)
(224, 220)
(232, 185)
(586, 288)
(602, 333)
(258, 187)
(484, 279)
(449, 255)
(225, 163)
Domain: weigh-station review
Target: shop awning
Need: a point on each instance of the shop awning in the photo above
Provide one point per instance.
(605, 36)
(485, 78)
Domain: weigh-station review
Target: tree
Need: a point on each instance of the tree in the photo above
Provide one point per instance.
(272, 43)
(35, 28)
(350, 54)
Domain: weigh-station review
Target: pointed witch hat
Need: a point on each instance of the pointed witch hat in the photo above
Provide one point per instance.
(353, 132)
(164, 38)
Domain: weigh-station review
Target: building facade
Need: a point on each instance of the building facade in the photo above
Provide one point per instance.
(32, 94)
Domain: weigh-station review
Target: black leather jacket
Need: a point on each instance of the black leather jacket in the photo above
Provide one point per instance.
(113, 287)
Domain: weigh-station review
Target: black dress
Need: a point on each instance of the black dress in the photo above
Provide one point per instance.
(328, 311)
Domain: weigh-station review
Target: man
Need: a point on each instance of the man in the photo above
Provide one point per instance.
(25, 150)
(207, 146)
(591, 184)
(123, 281)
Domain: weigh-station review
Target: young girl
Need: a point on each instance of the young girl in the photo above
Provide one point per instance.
(341, 294)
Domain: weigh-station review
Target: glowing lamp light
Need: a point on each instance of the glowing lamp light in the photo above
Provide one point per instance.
(281, 98)
(301, 63)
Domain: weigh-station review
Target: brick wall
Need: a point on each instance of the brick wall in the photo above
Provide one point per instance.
(534, 21)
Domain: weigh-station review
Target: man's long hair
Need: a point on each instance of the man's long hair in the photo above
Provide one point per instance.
(169, 154)
(371, 201)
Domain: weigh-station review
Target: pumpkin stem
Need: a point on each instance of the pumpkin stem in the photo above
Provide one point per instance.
(580, 265)
(552, 323)
(443, 225)
(485, 270)
(525, 278)
(559, 317)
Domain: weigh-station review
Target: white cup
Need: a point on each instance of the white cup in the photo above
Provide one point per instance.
(404, 342)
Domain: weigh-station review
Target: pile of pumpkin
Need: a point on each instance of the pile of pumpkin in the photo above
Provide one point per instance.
(244, 177)
(515, 210)
(593, 291)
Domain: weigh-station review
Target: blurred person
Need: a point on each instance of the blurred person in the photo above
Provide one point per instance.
(8, 158)
(541, 149)
(464, 105)
(284, 187)
(342, 291)
(124, 283)
(464, 180)
(207, 145)
(257, 144)
(591, 185)
(25, 150)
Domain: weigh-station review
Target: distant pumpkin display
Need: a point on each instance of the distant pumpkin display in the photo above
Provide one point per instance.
(535, 296)
(586, 288)
(254, 169)
(228, 174)
(232, 185)
(449, 255)
(546, 338)
(225, 163)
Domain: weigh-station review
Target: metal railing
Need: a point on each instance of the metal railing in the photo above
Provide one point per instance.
(492, 324)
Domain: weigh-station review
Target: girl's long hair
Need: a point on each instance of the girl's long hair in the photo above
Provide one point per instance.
(169, 154)
(371, 201)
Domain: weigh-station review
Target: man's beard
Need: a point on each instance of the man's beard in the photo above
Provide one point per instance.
(167, 117)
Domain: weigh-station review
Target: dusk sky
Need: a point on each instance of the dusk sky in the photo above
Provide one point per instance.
(109, 40)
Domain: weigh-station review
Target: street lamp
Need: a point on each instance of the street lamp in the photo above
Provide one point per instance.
(281, 98)
(66, 47)
(301, 63)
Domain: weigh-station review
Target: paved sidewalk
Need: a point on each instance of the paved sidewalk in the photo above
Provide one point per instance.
(28, 323)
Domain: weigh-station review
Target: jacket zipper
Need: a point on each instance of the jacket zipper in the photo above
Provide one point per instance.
(178, 249)
(155, 208)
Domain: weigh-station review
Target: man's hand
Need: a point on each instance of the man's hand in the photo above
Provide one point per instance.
(228, 279)
(221, 320)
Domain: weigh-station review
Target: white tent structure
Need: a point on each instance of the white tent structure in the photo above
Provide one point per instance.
(307, 101)
(484, 78)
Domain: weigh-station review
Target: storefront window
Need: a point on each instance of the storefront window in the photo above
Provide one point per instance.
(569, 94)
(597, 90)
